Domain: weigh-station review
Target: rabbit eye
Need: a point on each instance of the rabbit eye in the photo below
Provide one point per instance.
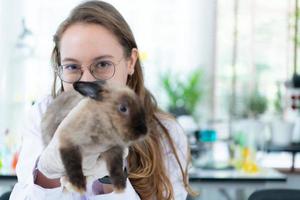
(123, 108)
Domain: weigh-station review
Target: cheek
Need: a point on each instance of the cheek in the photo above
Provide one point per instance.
(120, 76)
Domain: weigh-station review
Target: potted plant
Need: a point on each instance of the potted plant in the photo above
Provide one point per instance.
(256, 104)
(281, 129)
(183, 95)
(278, 104)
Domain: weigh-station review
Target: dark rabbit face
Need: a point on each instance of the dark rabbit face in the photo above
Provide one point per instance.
(131, 114)
(122, 105)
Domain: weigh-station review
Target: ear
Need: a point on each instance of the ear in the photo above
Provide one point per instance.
(90, 89)
(132, 60)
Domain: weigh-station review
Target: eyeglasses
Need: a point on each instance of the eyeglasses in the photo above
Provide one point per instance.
(101, 70)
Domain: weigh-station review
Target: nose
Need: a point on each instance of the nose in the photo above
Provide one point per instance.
(87, 76)
(141, 129)
(141, 125)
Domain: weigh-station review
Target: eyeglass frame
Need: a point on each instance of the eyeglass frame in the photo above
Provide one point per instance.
(89, 68)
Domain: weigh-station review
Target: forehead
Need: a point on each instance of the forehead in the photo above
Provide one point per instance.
(87, 41)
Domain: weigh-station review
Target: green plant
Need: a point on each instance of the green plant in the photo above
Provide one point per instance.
(256, 104)
(278, 101)
(183, 95)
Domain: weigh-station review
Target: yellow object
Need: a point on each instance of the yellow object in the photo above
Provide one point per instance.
(248, 164)
(143, 56)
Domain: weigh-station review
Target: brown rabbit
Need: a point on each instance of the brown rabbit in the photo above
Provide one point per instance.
(95, 117)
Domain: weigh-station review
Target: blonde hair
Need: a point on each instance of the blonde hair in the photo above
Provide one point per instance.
(147, 172)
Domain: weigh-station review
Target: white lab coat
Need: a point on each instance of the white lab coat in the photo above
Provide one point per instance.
(32, 146)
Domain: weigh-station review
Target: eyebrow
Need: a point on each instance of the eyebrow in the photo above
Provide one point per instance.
(94, 59)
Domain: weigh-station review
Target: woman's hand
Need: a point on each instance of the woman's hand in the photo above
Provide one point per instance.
(50, 163)
(107, 188)
(45, 182)
(51, 167)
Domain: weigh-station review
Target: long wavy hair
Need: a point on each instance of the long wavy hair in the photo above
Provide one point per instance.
(147, 171)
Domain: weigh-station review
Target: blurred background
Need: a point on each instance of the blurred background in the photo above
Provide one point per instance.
(227, 69)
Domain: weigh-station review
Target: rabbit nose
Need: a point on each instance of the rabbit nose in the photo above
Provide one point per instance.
(140, 126)
(141, 129)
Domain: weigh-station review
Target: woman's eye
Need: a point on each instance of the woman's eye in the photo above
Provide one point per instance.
(71, 67)
(104, 64)
(123, 108)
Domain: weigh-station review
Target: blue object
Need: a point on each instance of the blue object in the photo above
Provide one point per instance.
(208, 135)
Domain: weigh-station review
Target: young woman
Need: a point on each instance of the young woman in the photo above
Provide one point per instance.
(94, 36)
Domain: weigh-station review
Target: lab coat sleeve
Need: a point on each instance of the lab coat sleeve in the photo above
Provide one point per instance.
(180, 141)
(30, 150)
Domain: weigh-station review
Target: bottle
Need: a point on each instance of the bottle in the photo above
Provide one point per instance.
(246, 153)
(14, 162)
(207, 140)
(6, 153)
(1, 150)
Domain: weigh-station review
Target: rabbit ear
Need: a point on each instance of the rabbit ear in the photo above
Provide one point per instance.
(90, 89)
